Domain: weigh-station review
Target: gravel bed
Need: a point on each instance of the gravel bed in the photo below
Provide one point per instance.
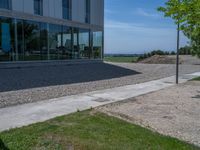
(25, 85)
(173, 111)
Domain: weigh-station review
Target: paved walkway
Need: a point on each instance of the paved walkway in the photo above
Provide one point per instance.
(21, 115)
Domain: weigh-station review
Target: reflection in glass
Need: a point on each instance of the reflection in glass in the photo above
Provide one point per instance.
(85, 51)
(31, 40)
(55, 41)
(38, 7)
(67, 9)
(20, 40)
(75, 44)
(43, 41)
(7, 52)
(87, 11)
(5, 4)
(23, 40)
(97, 44)
(66, 43)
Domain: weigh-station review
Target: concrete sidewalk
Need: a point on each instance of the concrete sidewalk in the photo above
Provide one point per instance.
(26, 114)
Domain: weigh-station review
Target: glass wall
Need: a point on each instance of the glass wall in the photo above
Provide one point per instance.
(87, 11)
(67, 9)
(32, 40)
(38, 7)
(7, 52)
(24, 40)
(55, 41)
(67, 52)
(84, 43)
(76, 43)
(43, 41)
(6, 4)
(20, 40)
(97, 44)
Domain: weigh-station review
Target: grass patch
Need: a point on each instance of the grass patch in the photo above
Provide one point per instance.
(121, 59)
(197, 79)
(88, 131)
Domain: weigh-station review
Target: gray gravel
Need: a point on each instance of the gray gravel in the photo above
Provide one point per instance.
(31, 84)
(187, 59)
(173, 111)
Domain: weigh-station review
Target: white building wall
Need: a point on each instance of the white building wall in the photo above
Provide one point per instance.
(97, 12)
(53, 8)
(46, 8)
(58, 9)
(78, 10)
(28, 6)
(18, 5)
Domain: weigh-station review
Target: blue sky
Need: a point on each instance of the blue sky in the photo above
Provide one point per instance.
(135, 26)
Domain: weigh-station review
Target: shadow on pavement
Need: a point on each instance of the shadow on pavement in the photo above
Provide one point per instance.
(42, 76)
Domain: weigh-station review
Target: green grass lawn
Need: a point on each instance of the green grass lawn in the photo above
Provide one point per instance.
(121, 59)
(197, 79)
(88, 131)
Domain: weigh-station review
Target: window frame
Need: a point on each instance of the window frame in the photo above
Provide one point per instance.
(68, 14)
(39, 10)
(9, 3)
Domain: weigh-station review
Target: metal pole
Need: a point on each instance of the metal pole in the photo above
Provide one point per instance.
(177, 53)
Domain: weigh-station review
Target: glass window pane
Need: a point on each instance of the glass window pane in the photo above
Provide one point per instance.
(67, 4)
(20, 40)
(44, 41)
(67, 43)
(32, 40)
(97, 44)
(87, 11)
(7, 52)
(5, 4)
(55, 41)
(84, 43)
(75, 44)
(38, 7)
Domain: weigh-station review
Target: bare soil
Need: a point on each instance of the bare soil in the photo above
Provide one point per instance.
(171, 59)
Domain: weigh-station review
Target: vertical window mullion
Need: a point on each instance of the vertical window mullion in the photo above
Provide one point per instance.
(38, 7)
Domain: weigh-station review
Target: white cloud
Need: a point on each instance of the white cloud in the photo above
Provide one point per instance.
(135, 27)
(145, 13)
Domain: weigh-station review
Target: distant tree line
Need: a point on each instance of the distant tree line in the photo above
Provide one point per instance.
(187, 50)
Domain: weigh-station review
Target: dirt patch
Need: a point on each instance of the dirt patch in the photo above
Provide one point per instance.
(158, 59)
(174, 111)
(171, 59)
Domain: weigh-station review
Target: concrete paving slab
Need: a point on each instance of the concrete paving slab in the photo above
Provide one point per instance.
(22, 115)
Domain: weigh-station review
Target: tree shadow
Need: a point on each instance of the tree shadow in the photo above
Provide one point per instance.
(3, 146)
(13, 79)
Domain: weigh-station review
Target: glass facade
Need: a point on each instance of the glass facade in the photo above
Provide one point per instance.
(97, 44)
(38, 7)
(24, 40)
(5, 4)
(84, 43)
(55, 41)
(67, 9)
(67, 52)
(87, 11)
(7, 51)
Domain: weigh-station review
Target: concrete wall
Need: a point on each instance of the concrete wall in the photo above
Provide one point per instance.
(53, 8)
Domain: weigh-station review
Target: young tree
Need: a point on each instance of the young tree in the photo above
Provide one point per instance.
(187, 13)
